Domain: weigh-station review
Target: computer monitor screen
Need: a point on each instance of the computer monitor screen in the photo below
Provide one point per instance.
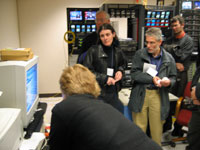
(197, 5)
(186, 5)
(90, 15)
(75, 15)
(31, 87)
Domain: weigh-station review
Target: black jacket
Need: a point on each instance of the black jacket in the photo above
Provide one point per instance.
(97, 61)
(184, 52)
(83, 123)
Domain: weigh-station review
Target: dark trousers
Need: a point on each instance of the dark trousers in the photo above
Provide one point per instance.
(194, 131)
(111, 97)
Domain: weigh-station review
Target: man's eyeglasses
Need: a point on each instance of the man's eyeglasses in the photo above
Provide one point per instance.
(150, 43)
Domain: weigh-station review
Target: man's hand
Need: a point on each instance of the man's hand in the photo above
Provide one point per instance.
(118, 76)
(156, 81)
(165, 82)
(110, 81)
(180, 67)
(193, 96)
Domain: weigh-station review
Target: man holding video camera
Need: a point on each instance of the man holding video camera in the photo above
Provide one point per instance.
(180, 45)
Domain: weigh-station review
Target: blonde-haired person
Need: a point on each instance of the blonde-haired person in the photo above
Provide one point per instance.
(78, 80)
(82, 122)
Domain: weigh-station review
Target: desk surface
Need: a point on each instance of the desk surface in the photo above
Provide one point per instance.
(124, 95)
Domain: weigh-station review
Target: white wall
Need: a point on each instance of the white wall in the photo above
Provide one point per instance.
(42, 24)
(9, 34)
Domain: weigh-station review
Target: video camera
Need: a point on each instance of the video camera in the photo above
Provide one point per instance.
(173, 49)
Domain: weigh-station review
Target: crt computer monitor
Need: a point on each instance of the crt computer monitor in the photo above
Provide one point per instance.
(19, 84)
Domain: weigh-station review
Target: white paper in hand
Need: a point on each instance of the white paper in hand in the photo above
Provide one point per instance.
(152, 72)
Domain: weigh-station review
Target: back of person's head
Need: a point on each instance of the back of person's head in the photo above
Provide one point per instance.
(78, 79)
(178, 18)
(155, 32)
(107, 26)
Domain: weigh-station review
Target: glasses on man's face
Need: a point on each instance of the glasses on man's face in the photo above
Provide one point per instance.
(150, 43)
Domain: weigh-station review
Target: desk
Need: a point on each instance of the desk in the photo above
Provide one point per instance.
(34, 143)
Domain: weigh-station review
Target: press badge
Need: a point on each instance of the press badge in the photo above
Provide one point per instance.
(110, 72)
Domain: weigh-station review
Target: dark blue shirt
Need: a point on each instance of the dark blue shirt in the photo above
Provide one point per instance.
(156, 60)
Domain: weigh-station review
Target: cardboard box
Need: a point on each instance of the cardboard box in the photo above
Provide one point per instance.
(16, 54)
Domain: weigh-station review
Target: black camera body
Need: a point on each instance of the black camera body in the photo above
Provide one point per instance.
(173, 49)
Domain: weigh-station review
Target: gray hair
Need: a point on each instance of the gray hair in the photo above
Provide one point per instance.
(155, 32)
(102, 11)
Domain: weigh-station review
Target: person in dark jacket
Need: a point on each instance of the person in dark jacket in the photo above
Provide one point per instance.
(81, 122)
(182, 51)
(91, 39)
(180, 45)
(193, 135)
(107, 61)
(153, 73)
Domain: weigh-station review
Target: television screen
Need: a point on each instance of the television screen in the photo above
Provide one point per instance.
(90, 15)
(158, 14)
(162, 22)
(153, 14)
(147, 24)
(93, 26)
(72, 28)
(148, 14)
(88, 30)
(186, 5)
(83, 28)
(157, 22)
(153, 22)
(31, 86)
(162, 15)
(78, 28)
(75, 15)
(167, 15)
(197, 5)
